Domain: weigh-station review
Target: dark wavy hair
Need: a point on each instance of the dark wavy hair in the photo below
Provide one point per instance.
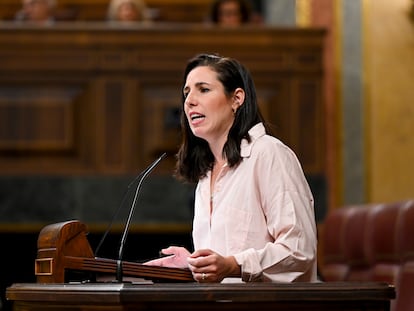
(245, 10)
(194, 158)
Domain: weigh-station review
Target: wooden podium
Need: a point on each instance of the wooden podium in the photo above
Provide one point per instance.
(63, 247)
(194, 296)
(64, 255)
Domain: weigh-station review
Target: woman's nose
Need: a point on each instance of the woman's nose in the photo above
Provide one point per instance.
(189, 100)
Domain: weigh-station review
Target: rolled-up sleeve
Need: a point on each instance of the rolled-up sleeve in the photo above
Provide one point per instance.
(287, 203)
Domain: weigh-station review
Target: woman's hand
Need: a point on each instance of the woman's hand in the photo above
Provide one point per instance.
(208, 266)
(177, 258)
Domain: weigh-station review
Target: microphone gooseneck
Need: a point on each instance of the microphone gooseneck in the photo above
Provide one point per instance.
(115, 215)
(119, 272)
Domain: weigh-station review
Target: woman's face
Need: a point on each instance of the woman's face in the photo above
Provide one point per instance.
(128, 12)
(229, 14)
(37, 10)
(208, 110)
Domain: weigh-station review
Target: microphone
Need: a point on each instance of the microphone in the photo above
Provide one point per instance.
(144, 174)
(115, 215)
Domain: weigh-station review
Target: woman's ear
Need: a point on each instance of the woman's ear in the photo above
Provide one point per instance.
(238, 98)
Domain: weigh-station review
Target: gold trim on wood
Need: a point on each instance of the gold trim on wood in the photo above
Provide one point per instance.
(44, 266)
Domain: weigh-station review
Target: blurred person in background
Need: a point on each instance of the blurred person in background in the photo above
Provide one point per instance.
(127, 11)
(37, 11)
(233, 13)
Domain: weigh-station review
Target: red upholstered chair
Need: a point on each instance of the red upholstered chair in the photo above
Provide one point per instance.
(405, 237)
(381, 241)
(334, 266)
(355, 254)
(405, 288)
(405, 243)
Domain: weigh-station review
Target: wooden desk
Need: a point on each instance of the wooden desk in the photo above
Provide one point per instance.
(92, 98)
(194, 296)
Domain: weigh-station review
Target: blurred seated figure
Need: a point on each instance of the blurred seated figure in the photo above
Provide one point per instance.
(127, 11)
(230, 13)
(37, 11)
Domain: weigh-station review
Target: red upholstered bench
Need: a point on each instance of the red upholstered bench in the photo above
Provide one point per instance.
(371, 242)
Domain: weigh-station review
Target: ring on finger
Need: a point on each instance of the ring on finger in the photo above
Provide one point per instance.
(203, 276)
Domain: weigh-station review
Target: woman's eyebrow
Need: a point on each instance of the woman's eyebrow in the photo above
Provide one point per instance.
(197, 85)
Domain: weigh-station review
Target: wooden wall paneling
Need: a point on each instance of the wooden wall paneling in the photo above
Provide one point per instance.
(82, 159)
(113, 123)
(40, 120)
(160, 121)
(305, 127)
(281, 111)
(124, 87)
(46, 125)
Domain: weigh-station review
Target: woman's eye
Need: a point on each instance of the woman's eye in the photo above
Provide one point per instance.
(204, 90)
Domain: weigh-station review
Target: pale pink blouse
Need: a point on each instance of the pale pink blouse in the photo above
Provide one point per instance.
(262, 213)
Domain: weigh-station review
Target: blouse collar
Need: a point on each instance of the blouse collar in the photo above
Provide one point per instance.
(255, 132)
